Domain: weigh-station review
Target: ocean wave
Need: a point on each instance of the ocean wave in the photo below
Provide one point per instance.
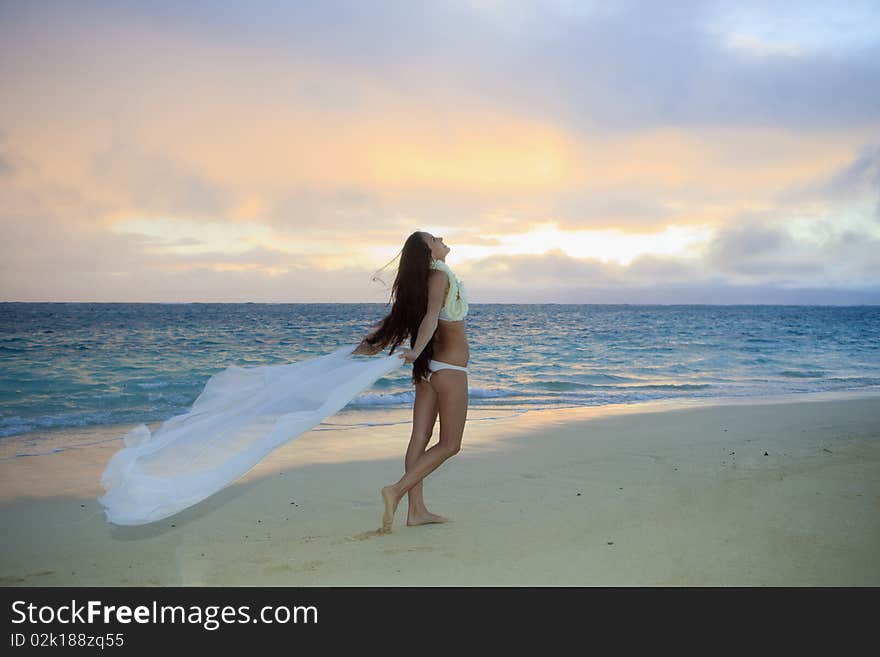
(13, 426)
(855, 380)
(408, 396)
(564, 386)
(147, 362)
(490, 393)
(671, 386)
(585, 378)
(384, 399)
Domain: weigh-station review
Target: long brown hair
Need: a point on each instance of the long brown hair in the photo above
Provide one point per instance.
(409, 303)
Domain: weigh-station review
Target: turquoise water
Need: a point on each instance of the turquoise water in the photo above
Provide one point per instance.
(85, 364)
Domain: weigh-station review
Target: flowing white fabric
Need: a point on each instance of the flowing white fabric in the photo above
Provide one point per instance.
(240, 417)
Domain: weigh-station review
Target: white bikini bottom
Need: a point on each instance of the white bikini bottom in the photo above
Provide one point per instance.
(435, 365)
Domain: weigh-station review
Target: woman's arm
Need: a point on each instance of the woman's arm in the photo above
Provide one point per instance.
(365, 348)
(437, 284)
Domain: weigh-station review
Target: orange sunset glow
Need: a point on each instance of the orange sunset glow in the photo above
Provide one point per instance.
(566, 153)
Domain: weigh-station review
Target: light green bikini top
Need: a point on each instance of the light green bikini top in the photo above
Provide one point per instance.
(455, 307)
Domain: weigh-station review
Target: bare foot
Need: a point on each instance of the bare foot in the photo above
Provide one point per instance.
(391, 499)
(425, 518)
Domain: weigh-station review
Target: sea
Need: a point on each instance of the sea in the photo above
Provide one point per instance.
(81, 365)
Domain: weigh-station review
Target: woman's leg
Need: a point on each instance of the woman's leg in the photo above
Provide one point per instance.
(424, 418)
(451, 387)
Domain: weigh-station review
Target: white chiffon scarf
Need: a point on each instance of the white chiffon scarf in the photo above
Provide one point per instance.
(241, 416)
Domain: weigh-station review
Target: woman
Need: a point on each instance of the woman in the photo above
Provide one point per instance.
(429, 307)
(245, 413)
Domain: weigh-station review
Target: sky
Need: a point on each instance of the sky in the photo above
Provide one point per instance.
(566, 151)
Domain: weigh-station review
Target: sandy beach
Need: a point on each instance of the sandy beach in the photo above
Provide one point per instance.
(780, 494)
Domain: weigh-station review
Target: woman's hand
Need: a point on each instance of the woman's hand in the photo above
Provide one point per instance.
(366, 349)
(409, 356)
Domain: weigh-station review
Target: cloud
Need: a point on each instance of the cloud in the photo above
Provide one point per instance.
(748, 264)
(630, 65)
(664, 271)
(108, 266)
(6, 167)
(530, 271)
(734, 243)
(794, 253)
(859, 180)
(156, 182)
(266, 151)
